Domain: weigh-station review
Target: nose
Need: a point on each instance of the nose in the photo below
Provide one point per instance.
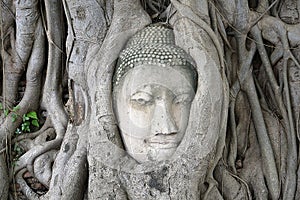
(162, 121)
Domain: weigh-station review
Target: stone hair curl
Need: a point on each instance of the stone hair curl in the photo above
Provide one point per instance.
(155, 44)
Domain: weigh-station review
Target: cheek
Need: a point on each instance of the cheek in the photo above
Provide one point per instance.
(140, 117)
(181, 116)
(133, 122)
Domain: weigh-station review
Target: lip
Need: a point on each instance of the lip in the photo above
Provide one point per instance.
(163, 143)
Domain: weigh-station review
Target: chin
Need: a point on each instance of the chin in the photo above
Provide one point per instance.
(154, 154)
(164, 154)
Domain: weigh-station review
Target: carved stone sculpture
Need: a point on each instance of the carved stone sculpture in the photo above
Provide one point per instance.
(154, 85)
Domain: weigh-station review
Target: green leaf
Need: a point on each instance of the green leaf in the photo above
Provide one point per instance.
(23, 127)
(6, 112)
(35, 123)
(15, 109)
(14, 117)
(18, 131)
(1, 106)
(25, 118)
(26, 126)
(32, 115)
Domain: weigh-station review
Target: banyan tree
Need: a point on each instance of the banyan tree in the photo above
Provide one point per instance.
(149, 99)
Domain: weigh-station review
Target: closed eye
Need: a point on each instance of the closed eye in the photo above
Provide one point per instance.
(141, 98)
(183, 99)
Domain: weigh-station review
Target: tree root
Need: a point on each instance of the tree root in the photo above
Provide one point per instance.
(27, 191)
(77, 175)
(43, 167)
(30, 100)
(269, 166)
(28, 158)
(52, 98)
(252, 171)
(27, 143)
(243, 72)
(186, 11)
(41, 155)
(4, 186)
(47, 127)
(268, 160)
(290, 183)
(233, 138)
(68, 148)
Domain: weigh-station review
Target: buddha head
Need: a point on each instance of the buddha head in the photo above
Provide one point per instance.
(154, 85)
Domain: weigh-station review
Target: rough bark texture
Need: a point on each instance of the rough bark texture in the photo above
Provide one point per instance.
(58, 58)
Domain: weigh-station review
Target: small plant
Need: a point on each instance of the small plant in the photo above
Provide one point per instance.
(14, 113)
(5, 111)
(18, 131)
(29, 119)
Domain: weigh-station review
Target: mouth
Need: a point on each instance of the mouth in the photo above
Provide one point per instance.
(162, 143)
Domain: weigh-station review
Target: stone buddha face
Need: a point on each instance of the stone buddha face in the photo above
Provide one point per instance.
(153, 87)
(152, 105)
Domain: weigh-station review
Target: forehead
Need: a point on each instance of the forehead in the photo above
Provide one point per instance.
(175, 79)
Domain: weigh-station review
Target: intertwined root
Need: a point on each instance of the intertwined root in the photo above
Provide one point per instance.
(24, 50)
(33, 30)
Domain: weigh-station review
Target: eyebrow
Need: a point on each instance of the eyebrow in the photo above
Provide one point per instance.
(184, 91)
(140, 91)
